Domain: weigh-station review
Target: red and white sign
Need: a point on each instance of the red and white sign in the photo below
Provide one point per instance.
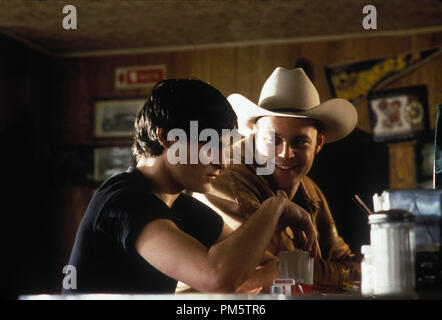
(139, 76)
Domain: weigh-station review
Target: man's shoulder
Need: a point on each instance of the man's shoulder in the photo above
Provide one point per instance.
(128, 182)
(126, 191)
(241, 172)
(130, 177)
(238, 176)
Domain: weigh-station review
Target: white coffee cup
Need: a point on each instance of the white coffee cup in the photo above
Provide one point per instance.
(297, 265)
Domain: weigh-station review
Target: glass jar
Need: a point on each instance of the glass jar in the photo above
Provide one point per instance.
(393, 252)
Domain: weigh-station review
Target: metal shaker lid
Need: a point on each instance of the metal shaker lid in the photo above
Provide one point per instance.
(396, 215)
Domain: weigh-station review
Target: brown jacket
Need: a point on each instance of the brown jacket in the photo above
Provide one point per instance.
(239, 192)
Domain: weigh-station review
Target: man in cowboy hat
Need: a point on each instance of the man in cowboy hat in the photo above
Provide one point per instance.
(290, 118)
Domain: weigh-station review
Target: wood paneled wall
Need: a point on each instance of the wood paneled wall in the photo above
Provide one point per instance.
(242, 69)
(234, 69)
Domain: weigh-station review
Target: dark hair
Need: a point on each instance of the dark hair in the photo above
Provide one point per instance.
(318, 125)
(172, 104)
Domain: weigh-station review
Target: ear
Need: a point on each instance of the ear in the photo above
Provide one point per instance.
(320, 142)
(162, 138)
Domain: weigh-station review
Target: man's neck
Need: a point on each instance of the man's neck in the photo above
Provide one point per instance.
(292, 191)
(167, 198)
(163, 186)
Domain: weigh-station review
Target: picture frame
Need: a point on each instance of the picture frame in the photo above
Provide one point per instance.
(111, 160)
(115, 117)
(398, 114)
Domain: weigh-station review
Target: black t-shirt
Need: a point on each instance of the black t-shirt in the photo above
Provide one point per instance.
(104, 254)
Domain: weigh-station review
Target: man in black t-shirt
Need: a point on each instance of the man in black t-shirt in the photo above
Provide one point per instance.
(141, 234)
(104, 253)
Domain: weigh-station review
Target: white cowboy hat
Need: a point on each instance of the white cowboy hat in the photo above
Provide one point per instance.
(290, 93)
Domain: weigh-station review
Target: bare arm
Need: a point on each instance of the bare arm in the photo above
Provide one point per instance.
(262, 279)
(228, 263)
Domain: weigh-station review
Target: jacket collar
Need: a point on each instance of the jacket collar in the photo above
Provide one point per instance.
(312, 199)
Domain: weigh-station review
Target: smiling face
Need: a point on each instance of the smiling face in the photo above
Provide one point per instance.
(296, 143)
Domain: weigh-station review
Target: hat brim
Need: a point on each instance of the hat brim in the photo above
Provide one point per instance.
(338, 116)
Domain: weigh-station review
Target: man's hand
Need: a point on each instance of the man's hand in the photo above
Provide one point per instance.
(261, 280)
(300, 221)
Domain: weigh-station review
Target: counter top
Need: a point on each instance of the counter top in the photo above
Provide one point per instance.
(206, 296)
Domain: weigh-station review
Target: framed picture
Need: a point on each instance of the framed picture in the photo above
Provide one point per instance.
(111, 160)
(115, 118)
(399, 114)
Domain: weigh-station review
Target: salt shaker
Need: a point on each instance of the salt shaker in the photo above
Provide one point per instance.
(392, 252)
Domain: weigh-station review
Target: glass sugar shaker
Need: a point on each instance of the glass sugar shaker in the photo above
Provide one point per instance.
(393, 252)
